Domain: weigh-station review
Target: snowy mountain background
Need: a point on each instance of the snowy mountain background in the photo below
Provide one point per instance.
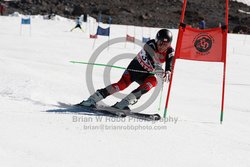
(160, 13)
(38, 129)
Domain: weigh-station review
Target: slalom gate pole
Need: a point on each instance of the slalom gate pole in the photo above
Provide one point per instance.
(225, 62)
(179, 38)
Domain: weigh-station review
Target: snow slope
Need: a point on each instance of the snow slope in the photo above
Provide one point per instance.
(37, 79)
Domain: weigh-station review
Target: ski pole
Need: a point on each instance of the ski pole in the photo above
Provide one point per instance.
(159, 107)
(112, 66)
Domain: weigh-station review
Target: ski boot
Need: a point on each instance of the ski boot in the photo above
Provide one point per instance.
(92, 100)
(124, 103)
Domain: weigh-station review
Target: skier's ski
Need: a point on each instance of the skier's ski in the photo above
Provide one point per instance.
(123, 113)
(152, 117)
(98, 111)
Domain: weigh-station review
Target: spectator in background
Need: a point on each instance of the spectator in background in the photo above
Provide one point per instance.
(51, 16)
(85, 17)
(1, 9)
(202, 23)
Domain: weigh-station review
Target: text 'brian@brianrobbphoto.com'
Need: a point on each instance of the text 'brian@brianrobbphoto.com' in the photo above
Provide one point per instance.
(103, 123)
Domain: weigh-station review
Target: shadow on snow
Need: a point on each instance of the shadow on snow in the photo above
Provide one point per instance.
(64, 108)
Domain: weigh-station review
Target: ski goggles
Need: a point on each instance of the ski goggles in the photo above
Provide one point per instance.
(163, 43)
(163, 46)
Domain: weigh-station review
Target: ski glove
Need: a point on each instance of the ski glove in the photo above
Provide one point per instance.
(160, 72)
(163, 75)
(167, 76)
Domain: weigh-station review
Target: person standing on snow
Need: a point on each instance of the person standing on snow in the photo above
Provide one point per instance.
(1, 9)
(78, 24)
(148, 60)
(202, 23)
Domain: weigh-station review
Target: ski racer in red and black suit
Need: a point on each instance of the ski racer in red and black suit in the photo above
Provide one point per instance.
(142, 69)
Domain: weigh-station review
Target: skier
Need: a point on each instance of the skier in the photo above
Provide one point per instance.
(148, 60)
(78, 24)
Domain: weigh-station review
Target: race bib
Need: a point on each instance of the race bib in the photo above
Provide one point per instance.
(144, 61)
